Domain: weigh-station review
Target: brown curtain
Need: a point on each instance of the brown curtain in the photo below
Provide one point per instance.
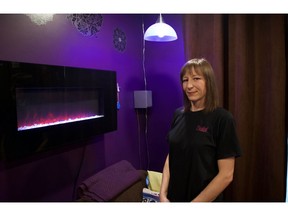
(247, 53)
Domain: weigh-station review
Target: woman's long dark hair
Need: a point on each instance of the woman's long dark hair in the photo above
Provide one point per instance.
(202, 67)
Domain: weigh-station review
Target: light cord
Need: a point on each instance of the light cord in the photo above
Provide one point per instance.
(146, 109)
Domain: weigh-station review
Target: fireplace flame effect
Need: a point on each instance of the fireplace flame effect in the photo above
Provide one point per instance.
(54, 121)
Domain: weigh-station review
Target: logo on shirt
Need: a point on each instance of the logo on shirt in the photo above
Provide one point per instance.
(202, 129)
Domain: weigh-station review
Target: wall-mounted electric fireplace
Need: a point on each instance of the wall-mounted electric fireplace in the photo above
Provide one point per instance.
(45, 107)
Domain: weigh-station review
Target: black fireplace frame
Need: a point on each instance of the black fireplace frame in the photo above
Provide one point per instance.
(16, 144)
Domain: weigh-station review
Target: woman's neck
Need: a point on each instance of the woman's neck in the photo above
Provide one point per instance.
(196, 107)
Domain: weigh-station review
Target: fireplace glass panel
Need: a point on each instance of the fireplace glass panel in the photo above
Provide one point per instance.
(53, 107)
(43, 107)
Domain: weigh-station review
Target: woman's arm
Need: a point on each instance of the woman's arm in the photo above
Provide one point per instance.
(219, 183)
(165, 181)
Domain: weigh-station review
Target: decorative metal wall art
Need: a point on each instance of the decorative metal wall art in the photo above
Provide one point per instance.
(40, 19)
(87, 24)
(119, 40)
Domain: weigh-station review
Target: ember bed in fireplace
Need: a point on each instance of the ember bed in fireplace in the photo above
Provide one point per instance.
(44, 107)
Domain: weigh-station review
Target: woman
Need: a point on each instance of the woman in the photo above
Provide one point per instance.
(203, 141)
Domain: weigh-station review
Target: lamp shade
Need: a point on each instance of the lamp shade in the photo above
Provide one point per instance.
(160, 32)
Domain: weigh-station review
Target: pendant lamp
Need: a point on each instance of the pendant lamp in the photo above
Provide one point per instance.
(160, 32)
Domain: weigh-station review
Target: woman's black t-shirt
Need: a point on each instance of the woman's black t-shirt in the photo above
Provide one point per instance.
(197, 140)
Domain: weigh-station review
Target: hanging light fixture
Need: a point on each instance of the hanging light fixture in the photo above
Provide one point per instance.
(160, 32)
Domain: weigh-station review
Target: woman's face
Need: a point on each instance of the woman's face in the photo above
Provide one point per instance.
(194, 86)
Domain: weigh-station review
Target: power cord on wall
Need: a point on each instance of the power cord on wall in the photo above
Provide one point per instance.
(146, 109)
(139, 140)
(78, 172)
(143, 57)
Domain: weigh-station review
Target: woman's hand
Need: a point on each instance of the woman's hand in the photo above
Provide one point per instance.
(164, 198)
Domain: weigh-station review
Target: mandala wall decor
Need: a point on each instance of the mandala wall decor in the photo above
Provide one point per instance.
(87, 24)
(40, 19)
(119, 40)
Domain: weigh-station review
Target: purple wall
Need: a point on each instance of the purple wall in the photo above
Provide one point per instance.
(52, 178)
(164, 61)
